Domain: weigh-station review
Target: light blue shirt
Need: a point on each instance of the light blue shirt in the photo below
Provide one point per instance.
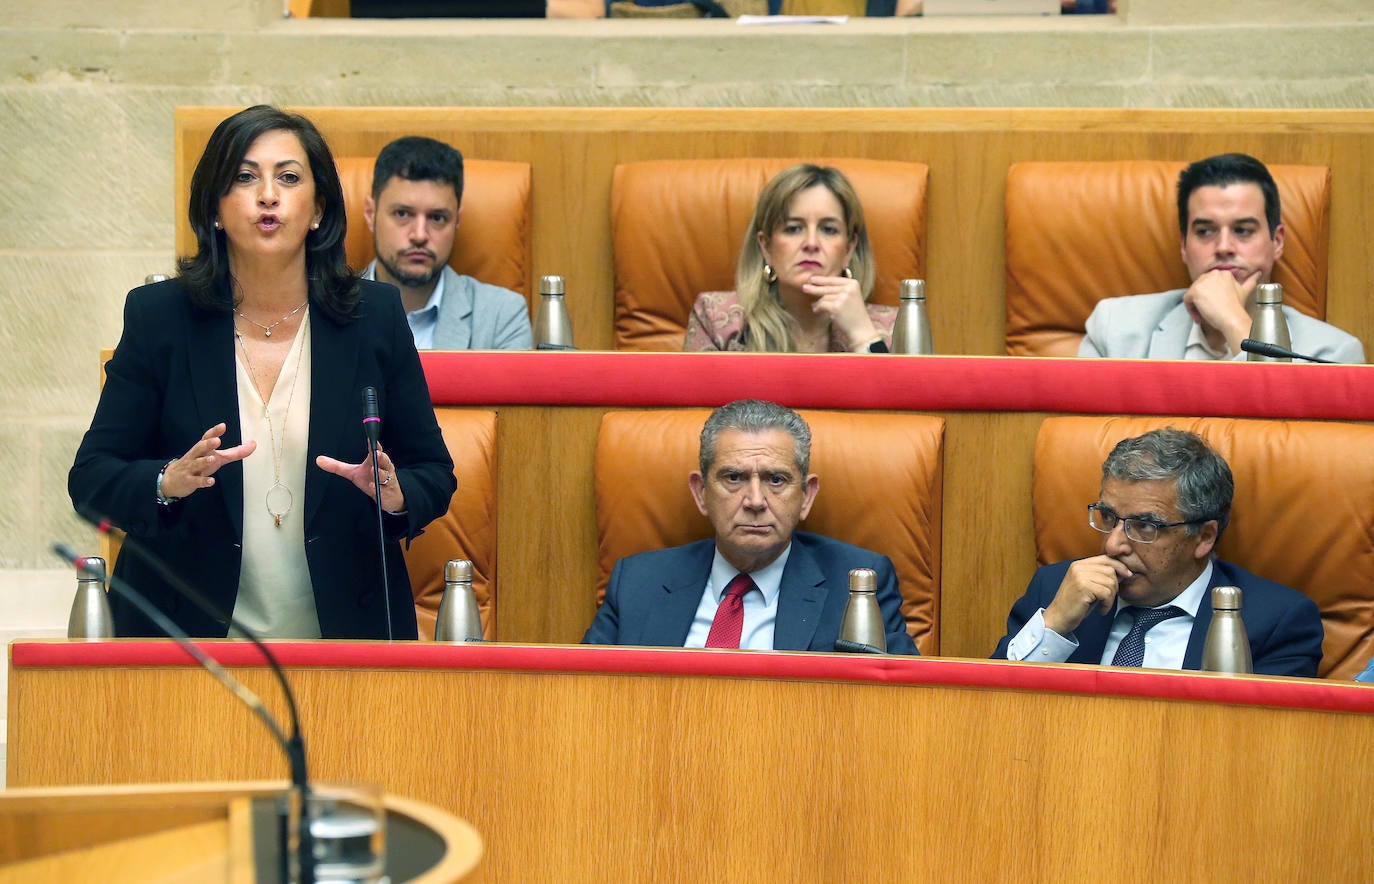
(760, 605)
(1165, 644)
(422, 321)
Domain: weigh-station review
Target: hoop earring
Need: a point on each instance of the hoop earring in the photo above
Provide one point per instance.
(847, 273)
(769, 274)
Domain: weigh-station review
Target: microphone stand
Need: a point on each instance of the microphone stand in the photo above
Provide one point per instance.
(293, 746)
(372, 425)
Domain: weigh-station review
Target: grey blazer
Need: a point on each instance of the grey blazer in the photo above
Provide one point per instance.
(1157, 327)
(477, 316)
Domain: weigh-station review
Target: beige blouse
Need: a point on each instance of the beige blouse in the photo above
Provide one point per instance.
(276, 598)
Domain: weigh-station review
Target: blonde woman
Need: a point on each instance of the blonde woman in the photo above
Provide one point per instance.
(804, 277)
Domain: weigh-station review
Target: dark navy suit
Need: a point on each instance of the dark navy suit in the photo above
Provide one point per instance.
(172, 377)
(1284, 626)
(653, 597)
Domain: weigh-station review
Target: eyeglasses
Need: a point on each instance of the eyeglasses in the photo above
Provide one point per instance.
(1102, 518)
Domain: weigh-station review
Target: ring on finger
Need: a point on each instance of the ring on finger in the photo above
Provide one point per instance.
(386, 480)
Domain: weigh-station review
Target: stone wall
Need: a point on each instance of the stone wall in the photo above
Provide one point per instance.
(87, 93)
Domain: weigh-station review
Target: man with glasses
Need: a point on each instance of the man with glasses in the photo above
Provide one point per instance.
(1164, 502)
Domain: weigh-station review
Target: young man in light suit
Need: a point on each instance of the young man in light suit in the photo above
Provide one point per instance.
(1230, 238)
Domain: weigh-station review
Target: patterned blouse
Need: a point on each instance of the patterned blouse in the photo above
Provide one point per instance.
(717, 323)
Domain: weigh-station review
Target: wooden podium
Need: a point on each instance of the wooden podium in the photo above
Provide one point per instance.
(198, 832)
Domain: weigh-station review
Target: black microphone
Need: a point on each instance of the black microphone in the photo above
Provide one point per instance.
(293, 747)
(372, 421)
(372, 429)
(1274, 351)
(846, 646)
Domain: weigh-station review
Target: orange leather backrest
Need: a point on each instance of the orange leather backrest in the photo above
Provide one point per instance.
(468, 529)
(881, 488)
(493, 239)
(1080, 232)
(1303, 512)
(676, 228)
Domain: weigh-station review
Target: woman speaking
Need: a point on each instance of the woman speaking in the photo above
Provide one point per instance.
(228, 437)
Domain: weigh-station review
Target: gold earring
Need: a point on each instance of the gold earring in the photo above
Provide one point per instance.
(769, 274)
(847, 273)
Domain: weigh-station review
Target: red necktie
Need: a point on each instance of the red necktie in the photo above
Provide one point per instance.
(729, 623)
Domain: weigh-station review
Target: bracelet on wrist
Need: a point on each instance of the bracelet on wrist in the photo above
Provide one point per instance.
(163, 499)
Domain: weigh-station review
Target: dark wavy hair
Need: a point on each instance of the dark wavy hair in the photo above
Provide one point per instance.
(333, 286)
(416, 158)
(1224, 170)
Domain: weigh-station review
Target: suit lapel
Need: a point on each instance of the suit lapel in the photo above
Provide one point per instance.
(670, 617)
(1092, 638)
(1171, 334)
(334, 396)
(453, 331)
(801, 600)
(214, 382)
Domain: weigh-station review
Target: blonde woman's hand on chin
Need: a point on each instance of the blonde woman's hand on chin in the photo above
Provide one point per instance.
(360, 474)
(196, 468)
(840, 298)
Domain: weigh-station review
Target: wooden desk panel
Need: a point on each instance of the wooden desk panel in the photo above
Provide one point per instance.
(691, 767)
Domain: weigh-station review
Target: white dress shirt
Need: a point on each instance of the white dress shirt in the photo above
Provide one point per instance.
(1165, 644)
(422, 321)
(760, 605)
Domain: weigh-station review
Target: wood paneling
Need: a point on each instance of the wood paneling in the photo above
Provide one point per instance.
(574, 150)
(598, 776)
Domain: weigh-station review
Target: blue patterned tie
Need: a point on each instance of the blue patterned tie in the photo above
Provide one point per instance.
(1131, 651)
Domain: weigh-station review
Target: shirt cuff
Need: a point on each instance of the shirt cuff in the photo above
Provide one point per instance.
(1037, 643)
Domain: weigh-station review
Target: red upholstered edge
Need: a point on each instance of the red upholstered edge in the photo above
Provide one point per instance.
(1290, 693)
(930, 383)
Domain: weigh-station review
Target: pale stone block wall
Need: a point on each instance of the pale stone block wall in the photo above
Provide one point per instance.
(87, 92)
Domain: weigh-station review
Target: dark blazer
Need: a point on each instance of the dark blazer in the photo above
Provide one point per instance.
(653, 596)
(172, 377)
(1283, 625)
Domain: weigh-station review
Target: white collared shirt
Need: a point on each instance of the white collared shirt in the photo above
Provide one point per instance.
(1198, 348)
(760, 605)
(1165, 644)
(422, 321)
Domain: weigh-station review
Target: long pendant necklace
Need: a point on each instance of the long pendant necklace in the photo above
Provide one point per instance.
(278, 498)
(267, 329)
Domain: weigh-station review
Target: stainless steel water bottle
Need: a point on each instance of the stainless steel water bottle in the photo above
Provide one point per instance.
(91, 617)
(911, 332)
(863, 621)
(1227, 648)
(458, 619)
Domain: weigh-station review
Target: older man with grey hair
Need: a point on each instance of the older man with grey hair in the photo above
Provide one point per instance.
(1146, 600)
(759, 584)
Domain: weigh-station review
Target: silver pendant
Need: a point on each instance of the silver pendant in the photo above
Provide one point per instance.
(279, 500)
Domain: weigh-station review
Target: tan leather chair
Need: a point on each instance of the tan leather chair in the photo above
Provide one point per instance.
(468, 529)
(1303, 512)
(1080, 232)
(676, 227)
(493, 239)
(881, 488)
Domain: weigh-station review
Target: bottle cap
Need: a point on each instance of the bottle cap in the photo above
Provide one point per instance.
(1269, 293)
(458, 571)
(94, 569)
(863, 580)
(913, 290)
(1226, 598)
(551, 285)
